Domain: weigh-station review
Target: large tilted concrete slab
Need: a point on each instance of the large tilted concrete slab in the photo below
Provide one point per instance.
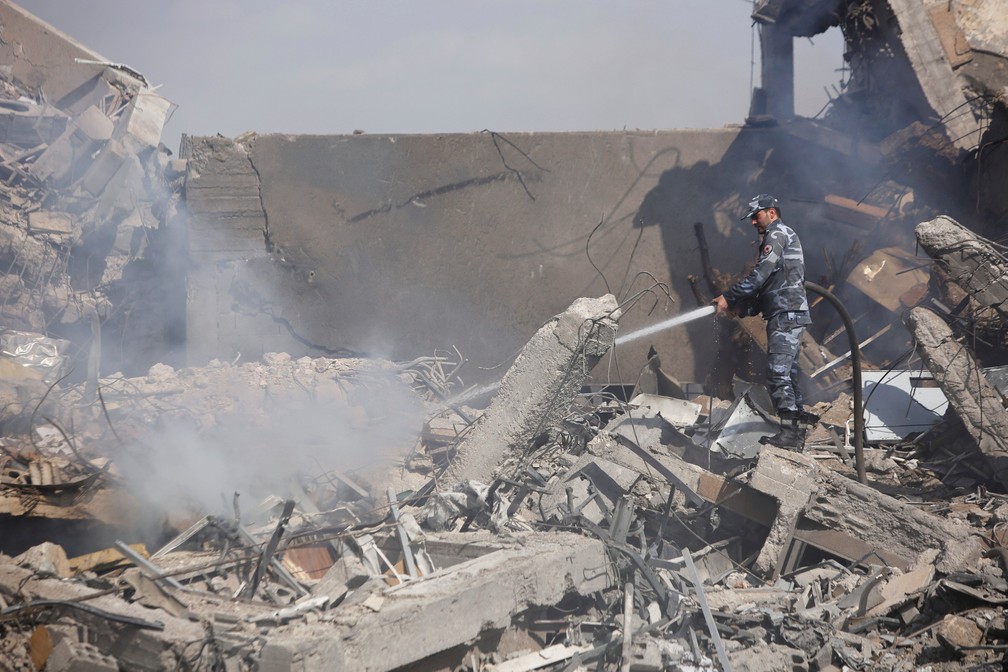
(920, 37)
(417, 619)
(43, 57)
(975, 400)
(537, 391)
(968, 259)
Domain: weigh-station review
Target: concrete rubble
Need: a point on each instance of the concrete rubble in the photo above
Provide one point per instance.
(202, 468)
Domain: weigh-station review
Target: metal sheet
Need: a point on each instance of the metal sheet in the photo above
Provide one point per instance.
(900, 403)
(740, 435)
(677, 412)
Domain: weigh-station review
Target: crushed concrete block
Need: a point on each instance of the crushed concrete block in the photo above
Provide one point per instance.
(94, 125)
(764, 657)
(140, 125)
(955, 632)
(62, 159)
(53, 226)
(897, 589)
(73, 656)
(536, 392)
(610, 480)
(47, 559)
(104, 167)
(976, 401)
(50, 221)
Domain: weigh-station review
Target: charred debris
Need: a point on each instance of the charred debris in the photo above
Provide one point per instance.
(543, 522)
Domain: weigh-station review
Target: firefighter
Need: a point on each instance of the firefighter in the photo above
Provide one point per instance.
(775, 288)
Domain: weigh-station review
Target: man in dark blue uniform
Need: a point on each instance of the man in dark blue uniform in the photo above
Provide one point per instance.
(776, 288)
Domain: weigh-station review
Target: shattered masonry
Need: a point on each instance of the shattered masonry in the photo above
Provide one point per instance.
(206, 464)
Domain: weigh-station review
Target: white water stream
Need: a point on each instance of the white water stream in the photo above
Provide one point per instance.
(667, 324)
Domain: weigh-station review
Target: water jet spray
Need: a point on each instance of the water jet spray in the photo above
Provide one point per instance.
(666, 324)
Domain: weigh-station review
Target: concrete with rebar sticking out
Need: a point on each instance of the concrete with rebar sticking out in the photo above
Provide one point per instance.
(536, 392)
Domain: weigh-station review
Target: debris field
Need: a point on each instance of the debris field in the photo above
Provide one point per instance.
(299, 512)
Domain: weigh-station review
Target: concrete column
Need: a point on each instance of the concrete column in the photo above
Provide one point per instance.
(777, 71)
(537, 391)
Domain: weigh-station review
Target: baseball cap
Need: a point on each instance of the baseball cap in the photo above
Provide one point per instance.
(760, 202)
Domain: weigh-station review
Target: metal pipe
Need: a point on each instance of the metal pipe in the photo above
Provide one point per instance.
(855, 355)
(145, 565)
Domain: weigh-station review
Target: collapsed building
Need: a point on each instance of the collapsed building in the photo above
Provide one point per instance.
(369, 402)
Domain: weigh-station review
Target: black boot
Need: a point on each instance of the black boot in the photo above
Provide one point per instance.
(791, 435)
(807, 418)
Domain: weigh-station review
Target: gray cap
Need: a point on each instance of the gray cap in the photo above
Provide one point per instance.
(760, 202)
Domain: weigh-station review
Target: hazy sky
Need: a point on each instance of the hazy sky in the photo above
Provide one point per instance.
(430, 66)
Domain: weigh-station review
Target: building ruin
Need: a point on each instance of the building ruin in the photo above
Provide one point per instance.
(359, 402)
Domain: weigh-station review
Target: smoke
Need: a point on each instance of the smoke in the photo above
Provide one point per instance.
(231, 436)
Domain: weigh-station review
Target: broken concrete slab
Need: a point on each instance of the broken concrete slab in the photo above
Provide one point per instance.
(71, 152)
(795, 498)
(32, 125)
(969, 259)
(854, 521)
(466, 598)
(977, 402)
(104, 167)
(536, 392)
(609, 480)
(139, 128)
(922, 43)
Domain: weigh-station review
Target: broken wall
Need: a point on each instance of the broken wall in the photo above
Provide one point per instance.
(87, 194)
(398, 245)
(41, 57)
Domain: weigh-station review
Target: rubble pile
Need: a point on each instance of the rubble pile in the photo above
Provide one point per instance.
(402, 529)
(318, 513)
(86, 190)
